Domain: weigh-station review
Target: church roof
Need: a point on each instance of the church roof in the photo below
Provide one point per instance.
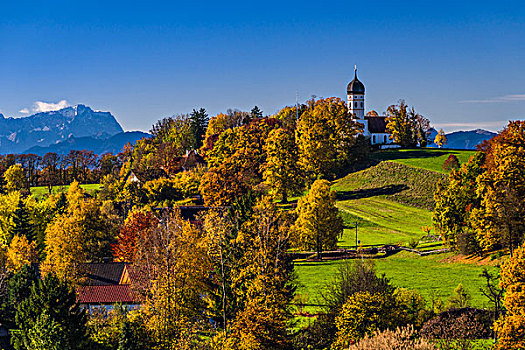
(377, 125)
(355, 86)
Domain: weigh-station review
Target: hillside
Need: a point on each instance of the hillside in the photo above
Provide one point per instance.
(423, 158)
(397, 182)
(390, 202)
(48, 128)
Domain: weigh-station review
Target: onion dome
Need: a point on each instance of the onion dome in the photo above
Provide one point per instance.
(355, 86)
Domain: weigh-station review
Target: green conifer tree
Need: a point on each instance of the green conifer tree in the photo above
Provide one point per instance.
(57, 300)
(22, 223)
(198, 124)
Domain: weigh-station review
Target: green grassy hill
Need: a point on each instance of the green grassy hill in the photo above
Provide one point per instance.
(424, 158)
(398, 182)
(390, 202)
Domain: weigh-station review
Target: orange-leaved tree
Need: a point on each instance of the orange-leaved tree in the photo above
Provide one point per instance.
(136, 225)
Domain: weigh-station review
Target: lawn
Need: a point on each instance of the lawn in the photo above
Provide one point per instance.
(425, 158)
(381, 221)
(427, 274)
(41, 191)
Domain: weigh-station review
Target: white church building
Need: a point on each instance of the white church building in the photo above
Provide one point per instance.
(374, 125)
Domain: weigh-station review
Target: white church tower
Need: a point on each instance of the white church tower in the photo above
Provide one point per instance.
(355, 101)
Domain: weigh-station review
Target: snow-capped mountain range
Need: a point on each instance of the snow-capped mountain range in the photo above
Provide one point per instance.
(49, 128)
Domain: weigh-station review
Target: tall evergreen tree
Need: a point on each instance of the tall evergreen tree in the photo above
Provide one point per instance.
(199, 123)
(57, 300)
(18, 289)
(22, 223)
(256, 113)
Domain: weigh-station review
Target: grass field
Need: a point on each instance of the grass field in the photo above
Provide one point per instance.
(391, 201)
(41, 191)
(406, 270)
(424, 158)
(381, 221)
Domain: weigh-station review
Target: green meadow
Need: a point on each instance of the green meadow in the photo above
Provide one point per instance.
(424, 158)
(41, 191)
(390, 202)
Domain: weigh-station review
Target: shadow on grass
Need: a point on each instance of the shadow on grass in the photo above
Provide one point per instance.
(371, 192)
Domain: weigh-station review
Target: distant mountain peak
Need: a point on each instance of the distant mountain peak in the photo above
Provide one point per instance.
(47, 128)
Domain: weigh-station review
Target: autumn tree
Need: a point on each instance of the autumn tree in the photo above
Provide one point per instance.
(455, 199)
(318, 224)
(499, 218)
(82, 234)
(281, 173)
(406, 126)
(15, 178)
(21, 252)
(174, 267)
(8, 204)
(510, 328)
(326, 138)
(363, 314)
(50, 170)
(441, 139)
(235, 162)
(264, 282)
(134, 227)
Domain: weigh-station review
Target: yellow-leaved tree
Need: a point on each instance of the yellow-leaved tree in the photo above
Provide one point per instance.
(172, 262)
(326, 139)
(441, 139)
(499, 217)
(318, 225)
(15, 178)
(20, 253)
(263, 282)
(281, 172)
(407, 128)
(510, 328)
(83, 233)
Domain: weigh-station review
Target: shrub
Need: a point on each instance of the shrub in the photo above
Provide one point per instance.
(363, 314)
(452, 162)
(401, 338)
(455, 328)
(413, 243)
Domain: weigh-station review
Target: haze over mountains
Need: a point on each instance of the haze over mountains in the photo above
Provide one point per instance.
(77, 127)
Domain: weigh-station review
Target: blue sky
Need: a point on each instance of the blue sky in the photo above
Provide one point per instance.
(460, 63)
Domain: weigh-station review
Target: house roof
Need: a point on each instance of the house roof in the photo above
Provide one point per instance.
(103, 274)
(108, 294)
(148, 174)
(377, 125)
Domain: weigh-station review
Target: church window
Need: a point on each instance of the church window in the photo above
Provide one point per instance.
(361, 104)
(355, 104)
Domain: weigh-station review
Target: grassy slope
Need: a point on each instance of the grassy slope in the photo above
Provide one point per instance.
(395, 181)
(381, 221)
(427, 158)
(390, 202)
(41, 191)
